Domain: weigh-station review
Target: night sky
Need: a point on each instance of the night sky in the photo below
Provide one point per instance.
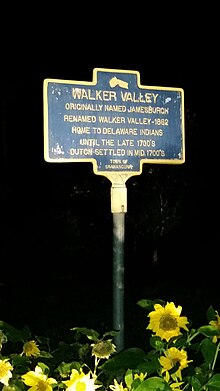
(39, 286)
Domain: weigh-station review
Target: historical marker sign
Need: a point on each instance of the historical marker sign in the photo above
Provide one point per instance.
(113, 122)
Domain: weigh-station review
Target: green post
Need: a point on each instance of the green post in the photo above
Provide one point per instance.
(119, 207)
(118, 278)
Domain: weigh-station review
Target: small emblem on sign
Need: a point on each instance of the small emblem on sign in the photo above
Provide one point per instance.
(118, 82)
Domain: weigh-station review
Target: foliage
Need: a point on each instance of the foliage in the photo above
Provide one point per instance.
(180, 357)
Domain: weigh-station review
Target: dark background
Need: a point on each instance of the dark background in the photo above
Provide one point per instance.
(56, 221)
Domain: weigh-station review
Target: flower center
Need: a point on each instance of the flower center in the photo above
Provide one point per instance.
(42, 385)
(168, 322)
(174, 361)
(80, 386)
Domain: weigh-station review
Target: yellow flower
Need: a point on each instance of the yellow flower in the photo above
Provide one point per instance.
(216, 324)
(140, 376)
(172, 357)
(37, 380)
(79, 381)
(30, 348)
(166, 321)
(5, 371)
(174, 386)
(117, 386)
(103, 349)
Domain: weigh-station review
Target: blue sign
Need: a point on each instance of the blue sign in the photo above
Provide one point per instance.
(113, 122)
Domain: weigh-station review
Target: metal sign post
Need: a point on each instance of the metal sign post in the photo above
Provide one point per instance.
(117, 124)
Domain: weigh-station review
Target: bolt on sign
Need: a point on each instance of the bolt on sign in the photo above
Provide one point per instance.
(113, 122)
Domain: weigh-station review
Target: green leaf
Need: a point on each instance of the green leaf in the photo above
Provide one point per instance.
(135, 383)
(65, 352)
(65, 368)
(21, 364)
(13, 334)
(156, 343)
(211, 314)
(149, 304)
(208, 349)
(111, 333)
(18, 360)
(129, 378)
(90, 333)
(195, 383)
(153, 384)
(44, 368)
(214, 383)
(45, 354)
(151, 367)
(17, 385)
(127, 359)
(208, 331)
